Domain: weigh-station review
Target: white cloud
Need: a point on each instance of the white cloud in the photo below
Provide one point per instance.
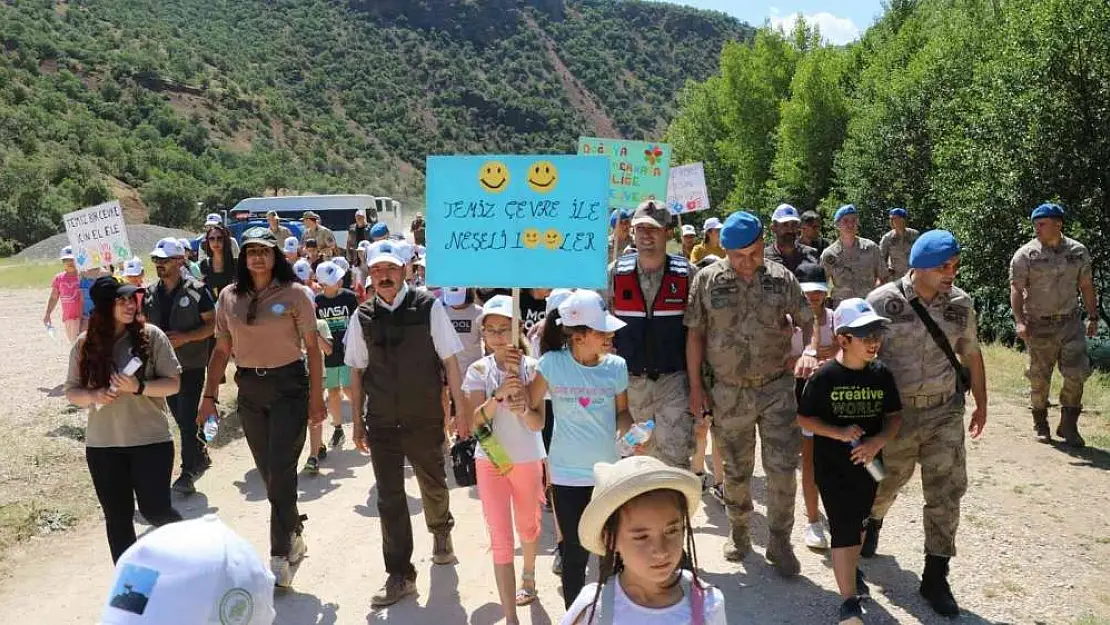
(837, 30)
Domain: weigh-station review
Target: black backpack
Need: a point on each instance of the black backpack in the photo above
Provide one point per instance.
(462, 462)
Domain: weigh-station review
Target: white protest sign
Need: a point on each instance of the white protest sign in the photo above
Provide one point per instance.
(686, 192)
(98, 236)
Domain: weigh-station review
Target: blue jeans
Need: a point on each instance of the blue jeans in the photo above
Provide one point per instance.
(184, 405)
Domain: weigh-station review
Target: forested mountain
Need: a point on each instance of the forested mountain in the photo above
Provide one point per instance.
(180, 101)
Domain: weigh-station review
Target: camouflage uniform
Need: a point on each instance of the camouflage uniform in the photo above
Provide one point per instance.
(1050, 279)
(932, 432)
(894, 253)
(748, 338)
(666, 399)
(852, 272)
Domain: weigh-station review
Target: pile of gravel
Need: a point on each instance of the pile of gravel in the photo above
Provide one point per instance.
(141, 236)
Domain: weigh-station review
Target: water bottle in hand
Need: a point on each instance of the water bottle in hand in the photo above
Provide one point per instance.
(211, 427)
(637, 435)
(875, 467)
(50, 331)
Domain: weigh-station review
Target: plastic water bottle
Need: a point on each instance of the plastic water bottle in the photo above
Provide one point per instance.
(211, 427)
(495, 453)
(51, 332)
(875, 467)
(637, 435)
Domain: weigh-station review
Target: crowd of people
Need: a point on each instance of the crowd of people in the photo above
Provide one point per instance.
(851, 360)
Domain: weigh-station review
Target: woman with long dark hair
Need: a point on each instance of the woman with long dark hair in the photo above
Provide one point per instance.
(128, 444)
(217, 270)
(262, 319)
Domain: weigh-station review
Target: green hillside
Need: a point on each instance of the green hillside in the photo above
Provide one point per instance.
(165, 103)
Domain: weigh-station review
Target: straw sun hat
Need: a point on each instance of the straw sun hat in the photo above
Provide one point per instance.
(617, 484)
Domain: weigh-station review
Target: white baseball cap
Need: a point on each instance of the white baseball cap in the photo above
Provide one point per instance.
(327, 273)
(303, 269)
(213, 219)
(556, 297)
(66, 253)
(360, 212)
(785, 213)
(168, 247)
(499, 305)
(342, 263)
(364, 245)
(689, 231)
(384, 251)
(711, 224)
(195, 572)
(586, 308)
(421, 250)
(405, 250)
(455, 296)
(291, 245)
(186, 244)
(855, 313)
(133, 267)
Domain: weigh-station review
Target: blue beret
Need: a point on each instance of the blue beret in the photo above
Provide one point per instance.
(741, 229)
(899, 212)
(618, 214)
(1048, 210)
(933, 249)
(379, 230)
(847, 209)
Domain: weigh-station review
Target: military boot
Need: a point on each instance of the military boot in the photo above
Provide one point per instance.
(934, 587)
(1040, 425)
(871, 538)
(1069, 427)
(781, 554)
(738, 545)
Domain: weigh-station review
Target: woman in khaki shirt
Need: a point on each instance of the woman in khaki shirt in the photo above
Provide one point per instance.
(262, 319)
(128, 444)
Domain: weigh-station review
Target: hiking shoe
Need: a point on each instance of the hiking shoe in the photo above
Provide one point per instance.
(738, 545)
(443, 552)
(337, 437)
(322, 453)
(935, 589)
(297, 549)
(718, 493)
(396, 587)
(557, 562)
(781, 554)
(871, 538)
(815, 537)
(863, 591)
(283, 572)
(851, 613)
(184, 484)
(312, 466)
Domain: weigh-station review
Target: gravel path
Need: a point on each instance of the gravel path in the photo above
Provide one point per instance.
(1034, 543)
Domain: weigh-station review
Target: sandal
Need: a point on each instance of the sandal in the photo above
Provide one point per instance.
(526, 594)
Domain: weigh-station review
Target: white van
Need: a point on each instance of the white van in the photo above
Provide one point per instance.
(337, 212)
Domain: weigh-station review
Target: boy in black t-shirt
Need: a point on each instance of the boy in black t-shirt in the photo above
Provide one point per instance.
(851, 405)
(335, 305)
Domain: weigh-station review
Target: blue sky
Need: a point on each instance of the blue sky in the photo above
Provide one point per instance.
(840, 21)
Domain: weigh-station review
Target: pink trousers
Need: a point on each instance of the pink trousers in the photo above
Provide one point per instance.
(517, 497)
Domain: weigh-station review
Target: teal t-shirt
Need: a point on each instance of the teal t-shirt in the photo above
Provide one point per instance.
(584, 403)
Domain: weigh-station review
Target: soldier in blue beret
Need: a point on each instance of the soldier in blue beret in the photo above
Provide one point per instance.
(894, 247)
(852, 263)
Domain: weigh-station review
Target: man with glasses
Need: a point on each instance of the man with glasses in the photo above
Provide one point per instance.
(400, 345)
(932, 391)
(183, 309)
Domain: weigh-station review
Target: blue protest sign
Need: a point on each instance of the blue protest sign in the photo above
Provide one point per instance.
(517, 221)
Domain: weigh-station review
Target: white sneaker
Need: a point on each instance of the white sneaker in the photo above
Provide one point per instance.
(283, 573)
(298, 549)
(815, 537)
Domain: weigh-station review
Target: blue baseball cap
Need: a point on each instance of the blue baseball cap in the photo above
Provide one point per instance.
(847, 209)
(1048, 209)
(784, 213)
(933, 249)
(899, 212)
(618, 214)
(379, 230)
(741, 229)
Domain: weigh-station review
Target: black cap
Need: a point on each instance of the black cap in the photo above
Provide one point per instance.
(106, 290)
(311, 243)
(810, 272)
(259, 236)
(810, 216)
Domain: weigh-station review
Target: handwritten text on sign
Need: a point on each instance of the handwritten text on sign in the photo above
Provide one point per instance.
(517, 221)
(686, 192)
(637, 169)
(98, 236)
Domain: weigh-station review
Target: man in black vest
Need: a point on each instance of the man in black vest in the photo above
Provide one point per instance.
(648, 290)
(184, 310)
(356, 233)
(400, 345)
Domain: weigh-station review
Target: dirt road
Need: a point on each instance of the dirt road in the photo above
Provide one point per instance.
(1034, 542)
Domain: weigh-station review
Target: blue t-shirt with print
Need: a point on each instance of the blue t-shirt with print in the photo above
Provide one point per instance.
(584, 403)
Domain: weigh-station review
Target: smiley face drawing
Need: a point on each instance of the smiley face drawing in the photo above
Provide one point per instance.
(530, 237)
(552, 239)
(493, 176)
(542, 176)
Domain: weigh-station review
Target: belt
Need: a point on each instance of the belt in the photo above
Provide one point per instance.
(1058, 317)
(757, 381)
(262, 372)
(924, 402)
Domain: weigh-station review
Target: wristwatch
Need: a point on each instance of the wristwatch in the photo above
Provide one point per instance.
(142, 386)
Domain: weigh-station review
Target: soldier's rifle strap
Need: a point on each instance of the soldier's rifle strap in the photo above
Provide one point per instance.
(963, 383)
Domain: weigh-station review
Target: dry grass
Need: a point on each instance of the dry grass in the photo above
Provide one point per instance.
(15, 274)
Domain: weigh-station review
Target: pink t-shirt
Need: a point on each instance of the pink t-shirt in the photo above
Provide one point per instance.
(68, 287)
